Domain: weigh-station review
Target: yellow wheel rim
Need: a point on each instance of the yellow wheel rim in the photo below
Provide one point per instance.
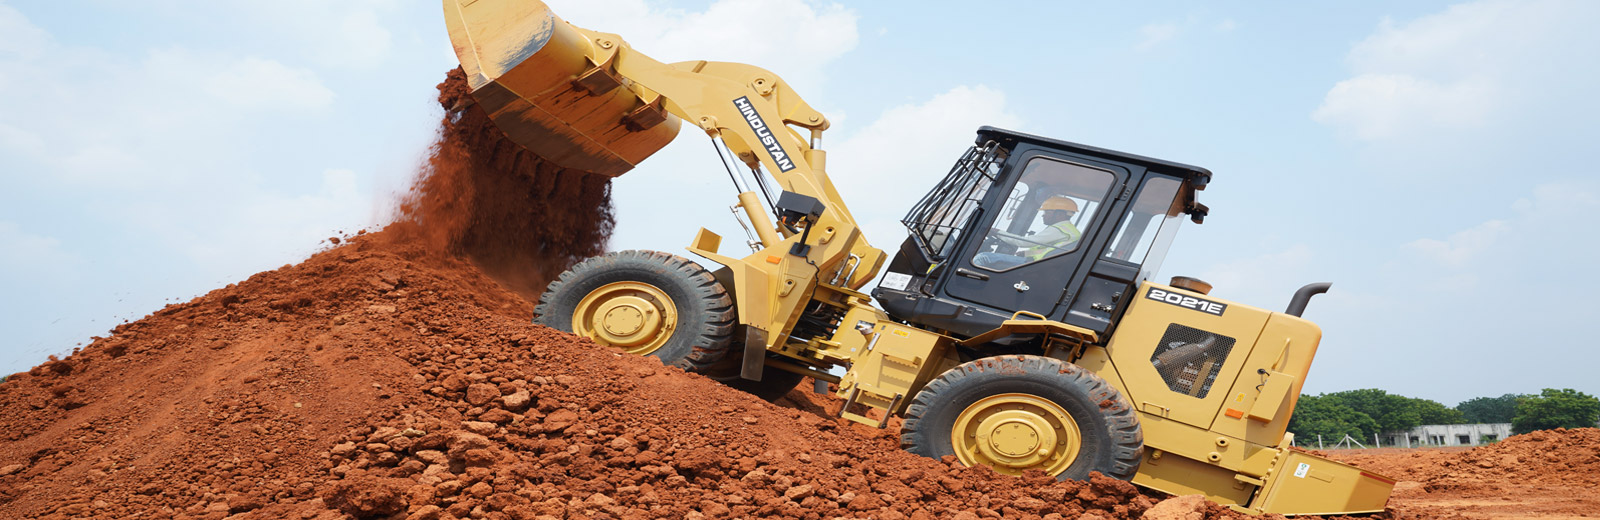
(633, 316)
(1016, 432)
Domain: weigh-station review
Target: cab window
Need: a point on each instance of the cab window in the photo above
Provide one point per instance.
(1156, 206)
(1045, 215)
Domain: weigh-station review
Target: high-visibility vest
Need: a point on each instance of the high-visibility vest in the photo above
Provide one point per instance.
(1069, 234)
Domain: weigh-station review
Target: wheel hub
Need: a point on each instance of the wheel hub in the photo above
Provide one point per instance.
(627, 316)
(1016, 432)
(634, 316)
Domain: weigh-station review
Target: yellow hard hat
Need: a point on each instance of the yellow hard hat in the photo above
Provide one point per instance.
(1061, 203)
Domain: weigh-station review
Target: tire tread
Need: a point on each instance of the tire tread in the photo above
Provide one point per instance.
(710, 335)
(1126, 450)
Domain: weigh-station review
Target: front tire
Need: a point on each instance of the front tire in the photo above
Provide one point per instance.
(643, 302)
(1016, 413)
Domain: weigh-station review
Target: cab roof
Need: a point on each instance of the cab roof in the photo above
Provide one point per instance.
(1197, 176)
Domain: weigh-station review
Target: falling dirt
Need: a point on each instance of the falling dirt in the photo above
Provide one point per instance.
(480, 196)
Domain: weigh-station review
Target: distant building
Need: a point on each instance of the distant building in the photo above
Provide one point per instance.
(1447, 435)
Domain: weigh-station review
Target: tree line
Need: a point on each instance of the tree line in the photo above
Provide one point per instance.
(1363, 413)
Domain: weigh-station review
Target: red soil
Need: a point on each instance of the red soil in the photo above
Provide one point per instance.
(1548, 474)
(379, 380)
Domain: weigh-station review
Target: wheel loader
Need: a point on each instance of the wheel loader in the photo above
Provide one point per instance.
(1019, 326)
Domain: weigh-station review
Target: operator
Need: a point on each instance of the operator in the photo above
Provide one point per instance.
(1058, 235)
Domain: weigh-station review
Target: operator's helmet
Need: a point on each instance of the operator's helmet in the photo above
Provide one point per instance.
(1061, 203)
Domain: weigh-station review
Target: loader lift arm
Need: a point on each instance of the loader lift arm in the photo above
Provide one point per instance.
(618, 104)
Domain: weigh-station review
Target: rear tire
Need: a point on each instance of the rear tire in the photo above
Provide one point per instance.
(644, 302)
(1026, 412)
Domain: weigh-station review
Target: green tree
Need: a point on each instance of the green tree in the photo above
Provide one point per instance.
(1391, 412)
(1490, 409)
(1326, 416)
(1432, 412)
(1564, 408)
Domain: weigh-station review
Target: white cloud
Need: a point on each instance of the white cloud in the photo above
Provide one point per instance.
(168, 117)
(184, 161)
(1158, 34)
(17, 140)
(1152, 35)
(792, 38)
(1572, 203)
(361, 40)
(164, 147)
(893, 161)
(1545, 227)
(267, 84)
(1465, 36)
(35, 255)
(36, 274)
(1472, 66)
(898, 143)
(96, 161)
(1463, 246)
(1380, 106)
(351, 34)
(22, 38)
(1264, 278)
(276, 222)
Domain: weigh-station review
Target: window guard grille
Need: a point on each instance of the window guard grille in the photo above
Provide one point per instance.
(937, 221)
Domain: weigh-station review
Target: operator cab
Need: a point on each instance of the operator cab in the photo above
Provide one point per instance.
(1027, 223)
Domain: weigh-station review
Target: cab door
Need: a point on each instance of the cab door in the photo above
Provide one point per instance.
(1014, 265)
(1132, 255)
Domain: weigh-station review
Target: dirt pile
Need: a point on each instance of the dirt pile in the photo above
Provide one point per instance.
(1562, 457)
(1548, 474)
(377, 380)
(1570, 457)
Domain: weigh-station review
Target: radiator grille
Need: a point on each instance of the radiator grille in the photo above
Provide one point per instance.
(1189, 359)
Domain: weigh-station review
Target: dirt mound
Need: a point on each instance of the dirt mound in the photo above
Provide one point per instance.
(1548, 474)
(378, 380)
(1561, 456)
(1555, 456)
(223, 402)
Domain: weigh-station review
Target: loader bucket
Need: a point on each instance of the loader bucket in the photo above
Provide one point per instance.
(1305, 484)
(552, 89)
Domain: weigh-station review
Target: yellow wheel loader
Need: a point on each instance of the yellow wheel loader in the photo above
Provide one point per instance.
(1018, 326)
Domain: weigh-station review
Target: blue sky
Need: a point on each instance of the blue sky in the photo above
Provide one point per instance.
(1428, 158)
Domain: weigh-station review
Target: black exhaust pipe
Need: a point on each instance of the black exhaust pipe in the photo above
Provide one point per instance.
(1297, 305)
